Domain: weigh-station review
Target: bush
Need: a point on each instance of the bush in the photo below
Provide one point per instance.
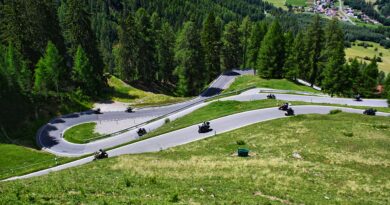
(348, 134)
(175, 198)
(378, 59)
(332, 112)
(167, 120)
(240, 142)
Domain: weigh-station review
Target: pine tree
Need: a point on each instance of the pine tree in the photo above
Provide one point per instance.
(257, 35)
(77, 30)
(314, 43)
(356, 76)
(370, 76)
(211, 42)
(189, 58)
(49, 70)
(83, 72)
(271, 55)
(146, 62)
(335, 73)
(290, 70)
(126, 51)
(245, 30)
(166, 53)
(232, 48)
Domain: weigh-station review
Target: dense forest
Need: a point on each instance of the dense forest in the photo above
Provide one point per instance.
(55, 55)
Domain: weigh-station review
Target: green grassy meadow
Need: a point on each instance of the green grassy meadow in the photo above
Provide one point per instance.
(345, 160)
(361, 52)
(281, 84)
(123, 92)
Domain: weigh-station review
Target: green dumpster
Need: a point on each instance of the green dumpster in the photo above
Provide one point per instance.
(242, 152)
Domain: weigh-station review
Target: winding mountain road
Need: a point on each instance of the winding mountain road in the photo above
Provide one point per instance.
(190, 134)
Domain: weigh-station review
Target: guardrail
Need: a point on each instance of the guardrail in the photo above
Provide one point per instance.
(170, 113)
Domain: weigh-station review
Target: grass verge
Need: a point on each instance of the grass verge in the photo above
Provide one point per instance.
(281, 84)
(335, 168)
(123, 92)
(81, 132)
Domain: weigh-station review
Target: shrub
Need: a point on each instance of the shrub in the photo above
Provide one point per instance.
(348, 134)
(332, 112)
(167, 120)
(378, 59)
(175, 198)
(240, 142)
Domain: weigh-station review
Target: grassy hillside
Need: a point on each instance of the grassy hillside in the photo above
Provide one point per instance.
(345, 159)
(282, 84)
(123, 92)
(361, 52)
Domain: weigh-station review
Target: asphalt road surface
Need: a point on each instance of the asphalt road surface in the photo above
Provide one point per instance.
(49, 137)
(190, 134)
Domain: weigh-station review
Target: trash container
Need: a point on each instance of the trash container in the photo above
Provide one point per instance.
(243, 152)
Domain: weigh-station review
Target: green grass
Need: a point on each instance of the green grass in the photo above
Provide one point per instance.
(361, 52)
(297, 2)
(282, 84)
(345, 161)
(18, 160)
(278, 3)
(81, 132)
(123, 92)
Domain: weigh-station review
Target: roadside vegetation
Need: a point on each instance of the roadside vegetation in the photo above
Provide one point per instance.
(122, 92)
(339, 158)
(280, 84)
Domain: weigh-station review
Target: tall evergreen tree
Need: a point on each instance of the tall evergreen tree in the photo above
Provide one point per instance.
(387, 88)
(83, 72)
(78, 32)
(126, 51)
(189, 58)
(335, 75)
(166, 53)
(315, 44)
(370, 76)
(245, 30)
(232, 48)
(49, 70)
(271, 55)
(290, 70)
(146, 62)
(257, 35)
(211, 42)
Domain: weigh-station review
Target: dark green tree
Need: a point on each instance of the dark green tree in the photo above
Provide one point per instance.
(245, 30)
(166, 53)
(257, 35)
(49, 69)
(126, 50)
(83, 74)
(271, 56)
(290, 69)
(232, 48)
(335, 76)
(315, 44)
(387, 87)
(77, 30)
(370, 78)
(189, 58)
(146, 61)
(211, 42)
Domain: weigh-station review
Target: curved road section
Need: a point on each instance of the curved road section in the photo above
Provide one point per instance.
(190, 134)
(49, 137)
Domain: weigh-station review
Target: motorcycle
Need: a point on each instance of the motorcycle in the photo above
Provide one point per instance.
(129, 109)
(290, 112)
(358, 97)
(205, 127)
(97, 111)
(101, 154)
(141, 132)
(370, 111)
(271, 96)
